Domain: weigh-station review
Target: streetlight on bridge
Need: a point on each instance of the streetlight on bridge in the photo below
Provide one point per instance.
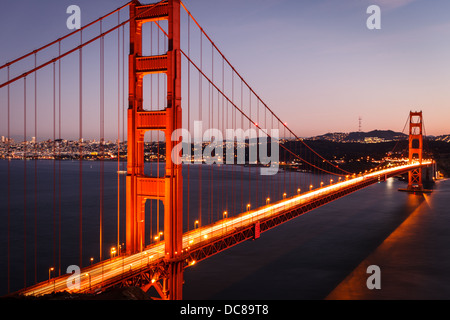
(225, 215)
(49, 272)
(113, 252)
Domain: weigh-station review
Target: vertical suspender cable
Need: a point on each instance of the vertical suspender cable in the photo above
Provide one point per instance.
(272, 185)
(102, 133)
(267, 152)
(59, 158)
(279, 180)
(291, 166)
(233, 124)
(164, 82)
(81, 151)
(224, 193)
(35, 170)
(200, 100)
(285, 161)
(210, 171)
(25, 180)
(151, 90)
(211, 125)
(311, 170)
(257, 150)
(220, 181)
(151, 132)
(249, 147)
(189, 119)
(227, 207)
(118, 128)
(123, 127)
(157, 148)
(54, 166)
(9, 189)
(243, 142)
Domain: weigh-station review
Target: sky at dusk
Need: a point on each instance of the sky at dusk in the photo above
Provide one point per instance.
(314, 63)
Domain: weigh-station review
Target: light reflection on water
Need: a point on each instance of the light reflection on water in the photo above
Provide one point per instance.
(390, 183)
(394, 258)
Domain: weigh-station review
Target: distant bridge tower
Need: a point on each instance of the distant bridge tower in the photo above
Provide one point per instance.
(139, 186)
(415, 149)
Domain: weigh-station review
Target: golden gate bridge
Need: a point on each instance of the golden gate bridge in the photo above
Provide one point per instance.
(170, 225)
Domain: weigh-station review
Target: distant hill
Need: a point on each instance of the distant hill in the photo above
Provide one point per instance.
(384, 135)
(365, 137)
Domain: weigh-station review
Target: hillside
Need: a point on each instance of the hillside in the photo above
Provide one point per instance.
(367, 137)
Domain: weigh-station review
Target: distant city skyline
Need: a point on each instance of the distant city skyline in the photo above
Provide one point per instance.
(315, 63)
(327, 136)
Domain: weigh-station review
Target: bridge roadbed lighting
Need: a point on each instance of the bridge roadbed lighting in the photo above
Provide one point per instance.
(88, 275)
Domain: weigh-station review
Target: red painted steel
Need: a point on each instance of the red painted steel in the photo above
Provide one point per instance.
(415, 149)
(140, 187)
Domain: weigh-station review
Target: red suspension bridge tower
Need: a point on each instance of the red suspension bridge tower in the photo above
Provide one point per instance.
(415, 149)
(140, 187)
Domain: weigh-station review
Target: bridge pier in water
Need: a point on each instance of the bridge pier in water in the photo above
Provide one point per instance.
(139, 186)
